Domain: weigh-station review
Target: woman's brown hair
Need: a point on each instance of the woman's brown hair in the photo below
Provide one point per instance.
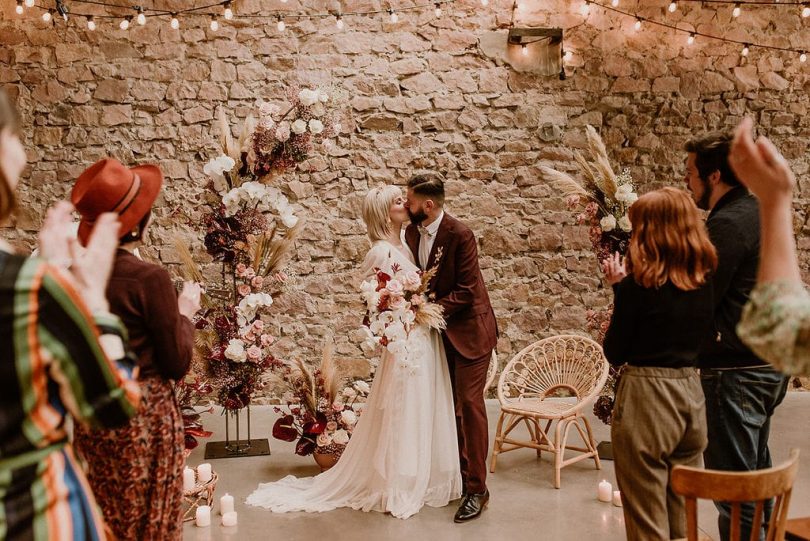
(669, 242)
(8, 121)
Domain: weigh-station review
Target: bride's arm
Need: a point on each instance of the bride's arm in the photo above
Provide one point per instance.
(377, 258)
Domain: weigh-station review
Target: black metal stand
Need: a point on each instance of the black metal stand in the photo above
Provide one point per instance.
(605, 450)
(233, 448)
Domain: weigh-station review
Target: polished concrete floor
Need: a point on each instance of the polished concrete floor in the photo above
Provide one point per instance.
(524, 506)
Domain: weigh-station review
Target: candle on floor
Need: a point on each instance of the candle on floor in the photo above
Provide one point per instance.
(204, 472)
(203, 517)
(229, 519)
(604, 491)
(226, 504)
(617, 498)
(188, 480)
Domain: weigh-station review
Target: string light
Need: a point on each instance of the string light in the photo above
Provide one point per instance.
(280, 24)
(228, 13)
(691, 39)
(29, 3)
(484, 3)
(47, 16)
(806, 11)
(745, 50)
(524, 50)
(736, 11)
(91, 24)
(614, 3)
(214, 23)
(586, 8)
(567, 56)
(19, 9)
(438, 10)
(339, 22)
(175, 24)
(803, 57)
(394, 16)
(123, 25)
(637, 26)
(141, 18)
(673, 6)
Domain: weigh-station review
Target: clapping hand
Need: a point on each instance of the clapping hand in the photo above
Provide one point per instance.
(760, 166)
(189, 300)
(614, 268)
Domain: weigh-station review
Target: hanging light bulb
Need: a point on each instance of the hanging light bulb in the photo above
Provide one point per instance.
(586, 8)
(29, 3)
(691, 39)
(339, 22)
(438, 10)
(736, 11)
(91, 23)
(228, 13)
(141, 18)
(19, 9)
(394, 16)
(637, 26)
(175, 24)
(484, 2)
(673, 6)
(524, 50)
(803, 57)
(214, 23)
(567, 56)
(614, 3)
(806, 11)
(745, 50)
(47, 16)
(123, 25)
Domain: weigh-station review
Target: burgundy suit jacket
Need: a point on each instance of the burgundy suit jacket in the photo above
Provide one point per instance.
(459, 287)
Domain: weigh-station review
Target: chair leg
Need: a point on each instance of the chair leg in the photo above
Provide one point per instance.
(496, 447)
(537, 438)
(558, 457)
(592, 443)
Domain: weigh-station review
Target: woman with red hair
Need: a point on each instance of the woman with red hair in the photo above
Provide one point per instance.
(662, 314)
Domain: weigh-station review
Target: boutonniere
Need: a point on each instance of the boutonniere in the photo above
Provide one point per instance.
(439, 254)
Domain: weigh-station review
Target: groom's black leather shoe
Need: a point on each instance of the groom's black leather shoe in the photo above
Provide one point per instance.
(471, 506)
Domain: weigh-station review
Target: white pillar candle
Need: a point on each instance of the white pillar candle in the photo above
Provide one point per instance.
(188, 480)
(229, 519)
(617, 498)
(604, 491)
(226, 504)
(204, 472)
(203, 517)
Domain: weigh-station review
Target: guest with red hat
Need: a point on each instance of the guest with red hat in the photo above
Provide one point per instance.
(136, 471)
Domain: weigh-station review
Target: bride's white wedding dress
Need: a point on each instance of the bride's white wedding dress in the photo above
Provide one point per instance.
(403, 453)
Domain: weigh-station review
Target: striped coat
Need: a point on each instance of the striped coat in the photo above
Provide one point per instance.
(51, 365)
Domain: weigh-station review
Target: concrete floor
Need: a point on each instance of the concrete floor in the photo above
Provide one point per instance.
(524, 506)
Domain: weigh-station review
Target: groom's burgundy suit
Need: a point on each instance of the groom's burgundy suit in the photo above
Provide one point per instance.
(469, 339)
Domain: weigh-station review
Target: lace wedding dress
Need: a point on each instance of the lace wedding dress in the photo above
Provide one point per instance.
(403, 453)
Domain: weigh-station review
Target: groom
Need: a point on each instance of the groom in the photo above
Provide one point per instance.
(439, 240)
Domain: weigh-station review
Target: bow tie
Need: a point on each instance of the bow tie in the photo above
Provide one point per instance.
(424, 231)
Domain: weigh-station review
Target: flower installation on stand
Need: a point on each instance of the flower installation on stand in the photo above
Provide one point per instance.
(604, 198)
(251, 230)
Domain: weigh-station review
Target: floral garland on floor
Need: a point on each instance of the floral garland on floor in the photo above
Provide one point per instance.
(251, 230)
(604, 198)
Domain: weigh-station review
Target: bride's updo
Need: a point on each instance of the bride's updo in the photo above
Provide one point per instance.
(376, 211)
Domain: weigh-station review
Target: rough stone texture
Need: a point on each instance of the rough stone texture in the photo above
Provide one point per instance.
(424, 93)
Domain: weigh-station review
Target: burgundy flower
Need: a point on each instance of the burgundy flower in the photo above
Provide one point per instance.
(284, 429)
(305, 446)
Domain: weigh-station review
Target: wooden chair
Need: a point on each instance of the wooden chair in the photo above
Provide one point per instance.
(492, 371)
(554, 379)
(737, 488)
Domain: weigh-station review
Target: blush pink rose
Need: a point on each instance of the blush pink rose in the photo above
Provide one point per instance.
(257, 282)
(240, 269)
(254, 353)
(243, 289)
(267, 339)
(258, 326)
(250, 273)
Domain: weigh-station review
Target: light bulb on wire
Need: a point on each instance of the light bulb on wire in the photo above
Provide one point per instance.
(141, 18)
(484, 2)
(280, 24)
(394, 16)
(175, 24)
(673, 6)
(746, 50)
(567, 56)
(524, 50)
(91, 23)
(806, 11)
(29, 3)
(803, 57)
(736, 11)
(438, 10)
(228, 13)
(586, 8)
(47, 16)
(637, 26)
(691, 39)
(214, 23)
(614, 3)
(339, 22)
(19, 9)
(124, 25)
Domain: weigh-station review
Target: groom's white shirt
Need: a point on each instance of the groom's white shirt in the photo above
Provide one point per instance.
(426, 240)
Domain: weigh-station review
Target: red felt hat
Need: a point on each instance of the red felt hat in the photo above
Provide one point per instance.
(110, 186)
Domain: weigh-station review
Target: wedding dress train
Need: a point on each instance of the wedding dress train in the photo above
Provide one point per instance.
(403, 453)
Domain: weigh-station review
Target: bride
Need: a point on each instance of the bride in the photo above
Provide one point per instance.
(403, 453)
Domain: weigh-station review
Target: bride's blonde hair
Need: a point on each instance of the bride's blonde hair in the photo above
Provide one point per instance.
(377, 209)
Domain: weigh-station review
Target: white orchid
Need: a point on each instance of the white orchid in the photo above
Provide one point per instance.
(236, 351)
(624, 224)
(250, 305)
(361, 387)
(216, 169)
(341, 437)
(608, 223)
(348, 417)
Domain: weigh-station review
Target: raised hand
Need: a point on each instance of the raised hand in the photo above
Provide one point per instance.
(55, 235)
(614, 268)
(189, 300)
(92, 266)
(760, 166)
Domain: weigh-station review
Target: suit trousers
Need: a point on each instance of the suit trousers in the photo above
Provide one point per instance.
(659, 421)
(468, 378)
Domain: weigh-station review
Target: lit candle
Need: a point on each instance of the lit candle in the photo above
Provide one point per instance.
(229, 519)
(605, 491)
(617, 498)
(226, 504)
(204, 472)
(188, 480)
(203, 516)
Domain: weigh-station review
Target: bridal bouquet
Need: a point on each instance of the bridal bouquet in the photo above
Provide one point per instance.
(396, 304)
(321, 406)
(604, 198)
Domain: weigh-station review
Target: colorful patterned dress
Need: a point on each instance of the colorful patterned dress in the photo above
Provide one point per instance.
(51, 364)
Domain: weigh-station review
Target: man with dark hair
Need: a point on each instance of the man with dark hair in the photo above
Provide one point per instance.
(440, 241)
(742, 391)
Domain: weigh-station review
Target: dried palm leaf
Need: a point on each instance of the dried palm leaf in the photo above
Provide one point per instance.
(333, 379)
(307, 385)
(189, 269)
(225, 137)
(277, 249)
(563, 182)
(430, 314)
(600, 157)
(243, 144)
(591, 178)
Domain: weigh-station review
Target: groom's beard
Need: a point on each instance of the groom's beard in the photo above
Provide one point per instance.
(417, 217)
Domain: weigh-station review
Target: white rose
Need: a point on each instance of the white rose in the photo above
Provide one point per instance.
(267, 108)
(299, 126)
(362, 387)
(631, 198)
(341, 437)
(219, 165)
(348, 392)
(624, 188)
(315, 126)
(308, 97)
(394, 287)
(236, 351)
(348, 417)
(624, 223)
(411, 281)
(608, 223)
(289, 220)
(323, 439)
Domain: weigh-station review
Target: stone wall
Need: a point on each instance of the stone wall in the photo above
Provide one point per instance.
(424, 93)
